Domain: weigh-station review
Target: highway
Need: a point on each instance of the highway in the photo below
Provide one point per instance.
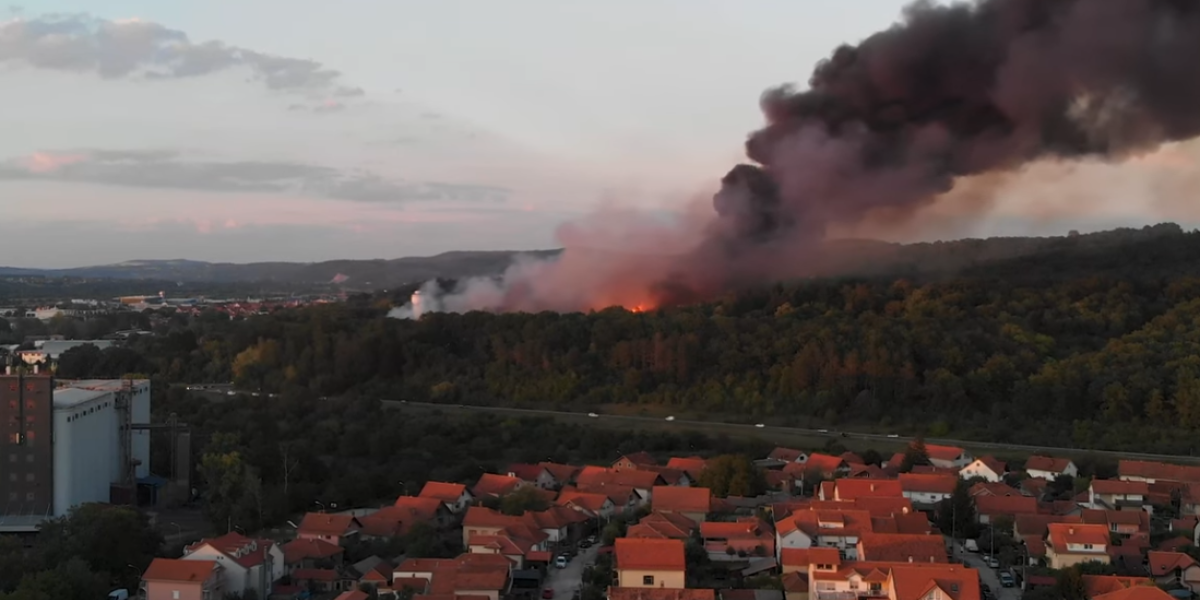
(765, 431)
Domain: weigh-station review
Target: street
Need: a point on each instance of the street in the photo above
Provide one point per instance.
(988, 576)
(564, 582)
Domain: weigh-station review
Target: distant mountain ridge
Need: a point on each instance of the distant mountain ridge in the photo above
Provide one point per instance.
(848, 256)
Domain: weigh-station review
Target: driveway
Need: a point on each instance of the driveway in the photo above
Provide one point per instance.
(564, 582)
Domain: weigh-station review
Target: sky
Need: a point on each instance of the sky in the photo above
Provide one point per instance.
(303, 131)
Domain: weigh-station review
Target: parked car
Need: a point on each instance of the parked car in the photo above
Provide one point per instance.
(561, 561)
(1006, 579)
(992, 562)
(547, 593)
(585, 544)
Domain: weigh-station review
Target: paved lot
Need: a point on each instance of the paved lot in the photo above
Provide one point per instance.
(564, 582)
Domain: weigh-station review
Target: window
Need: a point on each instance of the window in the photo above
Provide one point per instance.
(12, 476)
(647, 580)
(29, 496)
(175, 594)
(854, 585)
(12, 457)
(29, 438)
(29, 477)
(876, 587)
(28, 418)
(1087, 546)
(14, 438)
(29, 457)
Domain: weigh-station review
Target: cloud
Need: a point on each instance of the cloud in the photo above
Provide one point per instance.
(135, 48)
(167, 169)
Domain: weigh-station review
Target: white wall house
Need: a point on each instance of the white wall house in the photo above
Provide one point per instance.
(986, 468)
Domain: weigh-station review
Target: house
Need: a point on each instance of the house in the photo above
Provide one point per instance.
(374, 571)
(1152, 472)
(795, 586)
(635, 461)
(894, 581)
(927, 489)
(328, 527)
(178, 579)
(1136, 593)
(563, 474)
(793, 560)
(660, 525)
(947, 457)
(788, 455)
(486, 531)
(559, 523)
(455, 496)
(986, 468)
(591, 505)
(535, 474)
(692, 465)
(321, 580)
(353, 595)
(1121, 522)
(838, 529)
(311, 553)
(910, 548)
(988, 508)
(1069, 544)
(745, 537)
(852, 489)
(1174, 568)
(1114, 493)
(649, 563)
(993, 489)
(495, 486)
(247, 564)
(1095, 585)
(1050, 468)
(693, 503)
(430, 510)
(617, 593)
(477, 575)
(823, 465)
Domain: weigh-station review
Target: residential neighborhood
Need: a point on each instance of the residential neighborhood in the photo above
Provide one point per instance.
(823, 527)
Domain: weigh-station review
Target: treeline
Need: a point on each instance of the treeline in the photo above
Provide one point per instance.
(262, 460)
(1021, 351)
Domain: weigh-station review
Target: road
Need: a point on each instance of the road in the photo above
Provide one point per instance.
(988, 576)
(564, 582)
(767, 430)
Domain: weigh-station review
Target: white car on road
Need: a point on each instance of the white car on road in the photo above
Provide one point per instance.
(671, 418)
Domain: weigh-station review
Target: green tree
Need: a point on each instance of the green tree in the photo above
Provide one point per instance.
(526, 498)
(956, 514)
(108, 538)
(1071, 586)
(733, 475)
(914, 455)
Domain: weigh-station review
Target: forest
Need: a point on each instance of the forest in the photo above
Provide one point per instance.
(1096, 347)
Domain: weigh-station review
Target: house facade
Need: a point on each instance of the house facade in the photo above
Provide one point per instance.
(246, 564)
(650, 563)
(177, 579)
(455, 496)
(1050, 468)
(986, 468)
(1069, 544)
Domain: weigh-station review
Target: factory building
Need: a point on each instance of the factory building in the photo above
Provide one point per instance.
(68, 443)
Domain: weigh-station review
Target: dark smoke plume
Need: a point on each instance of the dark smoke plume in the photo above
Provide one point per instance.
(889, 125)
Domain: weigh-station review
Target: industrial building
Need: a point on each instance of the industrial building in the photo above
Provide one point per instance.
(68, 443)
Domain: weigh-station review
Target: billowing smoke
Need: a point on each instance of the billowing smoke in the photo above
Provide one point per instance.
(890, 125)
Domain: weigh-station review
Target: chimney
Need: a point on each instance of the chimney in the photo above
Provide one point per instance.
(1071, 530)
(910, 559)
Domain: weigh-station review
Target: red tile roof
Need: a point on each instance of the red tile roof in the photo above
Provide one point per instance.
(563, 474)
(785, 454)
(1139, 592)
(913, 582)
(239, 548)
(930, 484)
(446, 492)
(300, 549)
(1158, 471)
(639, 459)
(795, 582)
(997, 466)
(592, 503)
(617, 593)
(1006, 505)
(882, 506)
(692, 465)
(527, 472)
(947, 453)
(681, 499)
(985, 488)
(822, 463)
(1118, 487)
(353, 595)
(662, 526)
(1165, 563)
(391, 521)
(593, 477)
(902, 548)
(1096, 585)
(327, 524)
(851, 458)
(491, 484)
(851, 489)
(424, 508)
(649, 554)
(179, 570)
(1047, 463)
(1062, 534)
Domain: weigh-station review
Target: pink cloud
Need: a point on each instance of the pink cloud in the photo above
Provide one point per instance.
(46, 162)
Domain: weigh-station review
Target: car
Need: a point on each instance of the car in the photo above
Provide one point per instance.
(591, 539)
(593, 415)
(585, 544)
(562, 561)
(992, 562)
(822, 431)
(893, 435)
(759, 425)
(231, 393)
(547, 593)
(671, 418)
(1006, 579)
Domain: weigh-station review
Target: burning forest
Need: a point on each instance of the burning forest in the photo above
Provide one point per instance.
(884, 129)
